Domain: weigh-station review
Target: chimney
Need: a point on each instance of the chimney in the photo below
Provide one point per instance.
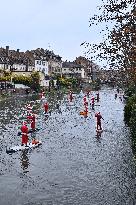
(18, 53)
(7, 50)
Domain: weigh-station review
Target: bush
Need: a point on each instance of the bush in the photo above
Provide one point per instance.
(68, 82)
(132, 124)
(130, 118)
(33, 81)
(129, 108)
(131, 90)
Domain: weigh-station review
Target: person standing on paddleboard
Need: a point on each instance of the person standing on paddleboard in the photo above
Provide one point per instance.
(32, 119)
(42, 95)
(97, 97)
(92, 101)
(46, 107)
(88, 93)
(29, 108)
(24, 131)
(85, 100)
(86, 111)
(70, 96)
(99, 117)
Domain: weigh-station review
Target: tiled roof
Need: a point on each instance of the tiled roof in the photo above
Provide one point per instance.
(15, 57)
(69, 64)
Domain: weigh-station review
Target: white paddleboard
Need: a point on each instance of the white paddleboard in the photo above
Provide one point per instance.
(20, 148)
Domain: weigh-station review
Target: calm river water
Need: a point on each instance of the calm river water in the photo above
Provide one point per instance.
(72, 166)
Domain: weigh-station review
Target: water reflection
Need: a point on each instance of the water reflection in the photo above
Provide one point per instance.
(88, 169)
(24, 160)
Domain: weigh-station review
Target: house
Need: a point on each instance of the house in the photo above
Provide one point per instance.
(4, 58)
(23, 63)
(54, 62)
(72, 69)
(91, 69)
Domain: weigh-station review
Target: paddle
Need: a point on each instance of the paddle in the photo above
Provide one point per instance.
(30, 131)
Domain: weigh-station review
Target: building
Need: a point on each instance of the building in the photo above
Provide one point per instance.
(23, 63)
(72, 69)
(91, 69)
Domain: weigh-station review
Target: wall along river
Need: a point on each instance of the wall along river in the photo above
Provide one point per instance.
(73, 166)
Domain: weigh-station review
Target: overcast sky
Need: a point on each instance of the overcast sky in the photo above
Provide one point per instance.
(58, 25)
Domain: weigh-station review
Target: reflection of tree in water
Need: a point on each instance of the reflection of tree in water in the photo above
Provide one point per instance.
(24, 160)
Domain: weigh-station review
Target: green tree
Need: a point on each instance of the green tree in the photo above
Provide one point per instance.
(119, 43)
(35, 81)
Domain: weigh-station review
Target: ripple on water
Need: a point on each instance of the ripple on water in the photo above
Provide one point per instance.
(73, 166)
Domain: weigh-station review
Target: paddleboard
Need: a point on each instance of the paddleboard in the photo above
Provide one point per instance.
(20, 148)
(83, 113)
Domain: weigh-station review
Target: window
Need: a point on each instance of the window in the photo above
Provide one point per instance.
(43, 63)
(37, 62)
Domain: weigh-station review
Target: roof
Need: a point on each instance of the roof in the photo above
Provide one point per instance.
(69, 64)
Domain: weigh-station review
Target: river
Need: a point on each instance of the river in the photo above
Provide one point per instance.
(72, 166)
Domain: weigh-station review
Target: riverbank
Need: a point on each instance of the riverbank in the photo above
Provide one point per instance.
(130, 113)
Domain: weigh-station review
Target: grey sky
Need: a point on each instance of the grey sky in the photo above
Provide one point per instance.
(62, 24)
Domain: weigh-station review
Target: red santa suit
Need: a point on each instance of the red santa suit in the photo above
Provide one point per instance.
(32, 118)
(24, 130)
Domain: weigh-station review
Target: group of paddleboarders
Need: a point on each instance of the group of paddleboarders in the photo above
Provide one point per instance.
(24, 128)
(31, 118)
(92, 103)
(25, 132)
(119, 94)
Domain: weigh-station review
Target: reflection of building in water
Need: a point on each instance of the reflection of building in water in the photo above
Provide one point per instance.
(24, 160)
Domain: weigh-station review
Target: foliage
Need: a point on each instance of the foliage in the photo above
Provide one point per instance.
(52, 83)
(33, 81)
(132, 124)
(68, 82)
(96, 84)
(131, 90)
(119, 43)
(129, 108)
(5, 75)
(58, 82)
(130, 118)
(5, 78)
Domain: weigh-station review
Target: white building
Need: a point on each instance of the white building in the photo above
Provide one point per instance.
(41, 65)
